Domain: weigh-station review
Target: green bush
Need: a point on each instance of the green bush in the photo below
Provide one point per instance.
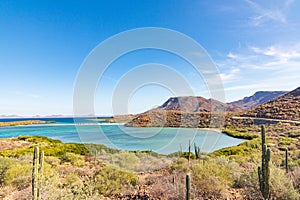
(38, 139)
(285, 141)
(125, 160)
(187, 154)
(212, 176)
(111, 181)
(49, 146)
(19, 175)
(243, 149)
(181, 164)
(5, 164)
(281, 185)
(239, 134)
(73, 159)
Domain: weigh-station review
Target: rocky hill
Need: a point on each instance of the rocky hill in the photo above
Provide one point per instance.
(176, 118)
(286, 107)
(196, 104)
(187, 111)
(257, 99)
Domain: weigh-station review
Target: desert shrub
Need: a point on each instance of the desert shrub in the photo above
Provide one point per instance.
(100, 148)
(5, 164)
(166, 186)
(249, 180)
(243, 149)
(112, 181)
(73, 159)
(50, 149)
(212, 177)
(181, 164)
(285, 141)
(16, 152)
(295, 177)
(53, 161)
(294, 134)
(38, 139)
(19, 175)
(125, 160)
(152, 163)
(239, 134)
(72, 180)
(188, 154)
(281, 185)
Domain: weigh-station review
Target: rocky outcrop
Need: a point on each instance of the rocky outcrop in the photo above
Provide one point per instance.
(196, 104)
(175, 118)
(257, 99)
(285, 107)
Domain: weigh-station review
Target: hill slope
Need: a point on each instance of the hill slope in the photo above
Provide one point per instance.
(285, 107)
(196, 104)
(257, 99)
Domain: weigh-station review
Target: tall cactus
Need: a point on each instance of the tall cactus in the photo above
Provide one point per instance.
(38, 159)
(286, 161)
(187, 185)
(197, 151)
(264, 170)
(180, 151)
(189, 156)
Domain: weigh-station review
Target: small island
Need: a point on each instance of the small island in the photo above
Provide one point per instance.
(22, 123)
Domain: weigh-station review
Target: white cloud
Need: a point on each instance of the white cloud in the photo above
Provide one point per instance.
(274, 67)
(279, 54)
(273, 57)
(231, 75)
(274, 11)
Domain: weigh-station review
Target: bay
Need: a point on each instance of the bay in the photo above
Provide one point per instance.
(161, 140)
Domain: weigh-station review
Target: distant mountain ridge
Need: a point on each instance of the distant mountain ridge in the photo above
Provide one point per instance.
(257, 99)
(285, 107)
(196, 104)
(190, 111)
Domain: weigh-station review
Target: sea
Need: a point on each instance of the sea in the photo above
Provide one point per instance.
(162, 140)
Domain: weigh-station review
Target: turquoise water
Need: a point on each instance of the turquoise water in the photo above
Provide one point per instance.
(161, 140)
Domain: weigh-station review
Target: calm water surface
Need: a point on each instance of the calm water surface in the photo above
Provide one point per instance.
(161, 140)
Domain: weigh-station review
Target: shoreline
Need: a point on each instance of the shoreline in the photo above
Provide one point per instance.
(21, 123)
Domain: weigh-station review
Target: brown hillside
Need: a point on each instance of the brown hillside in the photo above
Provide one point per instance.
(285, 107)
(175, 118)
(196, 104)
(256, 99)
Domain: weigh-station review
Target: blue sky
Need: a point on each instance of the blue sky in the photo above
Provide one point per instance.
(255, 45)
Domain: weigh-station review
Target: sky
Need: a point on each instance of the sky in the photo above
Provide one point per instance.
(254, 44)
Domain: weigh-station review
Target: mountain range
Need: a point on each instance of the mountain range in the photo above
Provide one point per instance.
(257, 99)
(201, 104)
(284, 107)
(196, 111)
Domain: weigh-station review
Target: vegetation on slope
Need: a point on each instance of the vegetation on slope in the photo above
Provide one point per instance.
(229, 173)
(285, 107)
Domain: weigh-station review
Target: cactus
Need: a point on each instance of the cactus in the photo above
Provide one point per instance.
(197, 151)
(38, 159)
(264, 170)
(187, 185)
(180, 151)
(286, 161)
(189, 156)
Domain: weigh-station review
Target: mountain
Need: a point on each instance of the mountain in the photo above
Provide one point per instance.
(185, 111)
(286, 107)
(176, 118)
(257, 99)
(195, 104)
